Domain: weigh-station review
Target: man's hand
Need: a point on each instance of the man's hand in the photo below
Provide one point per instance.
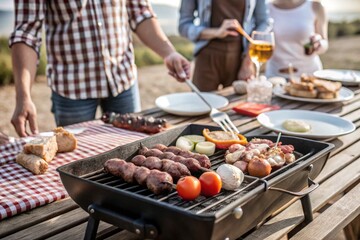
(25, 111)
(178, 66)
(247, 69)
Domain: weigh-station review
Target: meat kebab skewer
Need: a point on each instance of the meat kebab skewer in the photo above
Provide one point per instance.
(191, 163)
(203, 160)
(175, 169)
(155, 180)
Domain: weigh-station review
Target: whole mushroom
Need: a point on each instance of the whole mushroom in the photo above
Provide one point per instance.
(231, 176)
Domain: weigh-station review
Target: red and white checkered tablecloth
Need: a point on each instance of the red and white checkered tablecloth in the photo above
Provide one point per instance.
(21, 191)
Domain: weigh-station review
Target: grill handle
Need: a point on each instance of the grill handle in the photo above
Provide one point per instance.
(136, 226)
(311, 187)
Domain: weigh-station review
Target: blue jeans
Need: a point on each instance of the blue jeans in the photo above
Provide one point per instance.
(68, 111)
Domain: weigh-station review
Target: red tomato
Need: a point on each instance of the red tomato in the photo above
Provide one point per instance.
(210, 184)
(188, 188)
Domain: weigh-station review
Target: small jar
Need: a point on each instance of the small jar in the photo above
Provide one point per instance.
(259, 90)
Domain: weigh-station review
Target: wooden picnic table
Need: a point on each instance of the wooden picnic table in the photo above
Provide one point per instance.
(335, 203)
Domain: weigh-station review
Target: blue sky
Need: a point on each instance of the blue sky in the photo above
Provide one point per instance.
(330, 5)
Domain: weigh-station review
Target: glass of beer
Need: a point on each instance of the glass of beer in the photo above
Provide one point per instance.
(261, 48)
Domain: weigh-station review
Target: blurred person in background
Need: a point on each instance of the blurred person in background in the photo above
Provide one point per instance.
(300, 29)
(221, 53)
(90, 57)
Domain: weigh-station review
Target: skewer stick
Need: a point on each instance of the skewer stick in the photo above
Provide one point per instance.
(242, 32)
(277, 140)
(173, 185)
(206, 169)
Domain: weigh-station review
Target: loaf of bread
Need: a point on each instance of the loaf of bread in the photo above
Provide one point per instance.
(301, 93)
(35, 164)
(66, 141)
(311, 87)
(44, 147)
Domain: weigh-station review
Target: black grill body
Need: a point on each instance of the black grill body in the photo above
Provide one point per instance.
(166, 216)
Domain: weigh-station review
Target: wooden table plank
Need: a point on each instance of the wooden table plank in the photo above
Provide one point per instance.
(53, 226)
(78, 232)
(283, 223)
(66, 221)
(35, 216)
(334, 164)
(334, 218)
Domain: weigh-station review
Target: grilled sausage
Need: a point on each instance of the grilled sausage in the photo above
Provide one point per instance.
(135, 123)
(141, 174)
(138, 160)
(153, 153)
(121, 168)
(176, 170)
(155, 180)
(152, 163)
(159, 182)
(191, 163)
(160, 146)
(203, 160)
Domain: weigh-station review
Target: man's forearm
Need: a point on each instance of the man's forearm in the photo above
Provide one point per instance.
(24, 60)
(151, 35)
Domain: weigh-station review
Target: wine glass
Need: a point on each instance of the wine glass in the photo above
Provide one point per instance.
(261, 48)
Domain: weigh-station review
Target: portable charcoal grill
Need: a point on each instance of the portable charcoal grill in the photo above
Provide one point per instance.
(229, 214)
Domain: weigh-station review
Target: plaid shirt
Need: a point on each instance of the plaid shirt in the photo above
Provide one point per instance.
(88, 42)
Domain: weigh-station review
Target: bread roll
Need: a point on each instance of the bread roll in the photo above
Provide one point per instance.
(301, 93)
(326, 86)
(328, 95)
(66, 141)
(44, 147)
(35, 164)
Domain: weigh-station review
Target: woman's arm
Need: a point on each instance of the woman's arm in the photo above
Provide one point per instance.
(321, 28)
(187, 27)
(261, 17)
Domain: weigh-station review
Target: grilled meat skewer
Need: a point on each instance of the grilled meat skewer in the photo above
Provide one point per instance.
(203, 160)
(155, 180)
(191, 163)
(135, 123)
(175, 169)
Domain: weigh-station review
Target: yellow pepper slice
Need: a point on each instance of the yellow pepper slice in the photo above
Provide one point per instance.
(222, 139)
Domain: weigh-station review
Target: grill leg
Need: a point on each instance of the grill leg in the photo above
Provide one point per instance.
(91, 228)
(307, 209)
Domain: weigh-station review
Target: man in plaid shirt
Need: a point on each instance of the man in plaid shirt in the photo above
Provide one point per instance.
(90, 56)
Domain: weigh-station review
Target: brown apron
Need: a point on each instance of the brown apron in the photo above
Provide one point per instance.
(219, 62)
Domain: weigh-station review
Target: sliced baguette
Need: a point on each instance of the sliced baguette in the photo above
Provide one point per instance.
(44, 147)
(302, 93)
(35, 164)
(66, 141)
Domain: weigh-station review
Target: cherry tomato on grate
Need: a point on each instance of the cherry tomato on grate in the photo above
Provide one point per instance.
(188, 188)
(210, 184)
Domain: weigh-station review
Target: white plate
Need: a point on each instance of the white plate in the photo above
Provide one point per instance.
(344, 95)
(346, 77)
(189, 104)
(323, 125)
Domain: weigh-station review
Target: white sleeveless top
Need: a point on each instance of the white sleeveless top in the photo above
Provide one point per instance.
(292, 29)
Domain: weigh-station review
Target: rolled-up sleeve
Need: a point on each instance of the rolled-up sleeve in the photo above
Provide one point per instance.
(187, 28)
(29, 17)
(263, 22)
(138, 11)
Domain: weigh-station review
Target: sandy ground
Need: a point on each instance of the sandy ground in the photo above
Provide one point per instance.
(154, 81)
